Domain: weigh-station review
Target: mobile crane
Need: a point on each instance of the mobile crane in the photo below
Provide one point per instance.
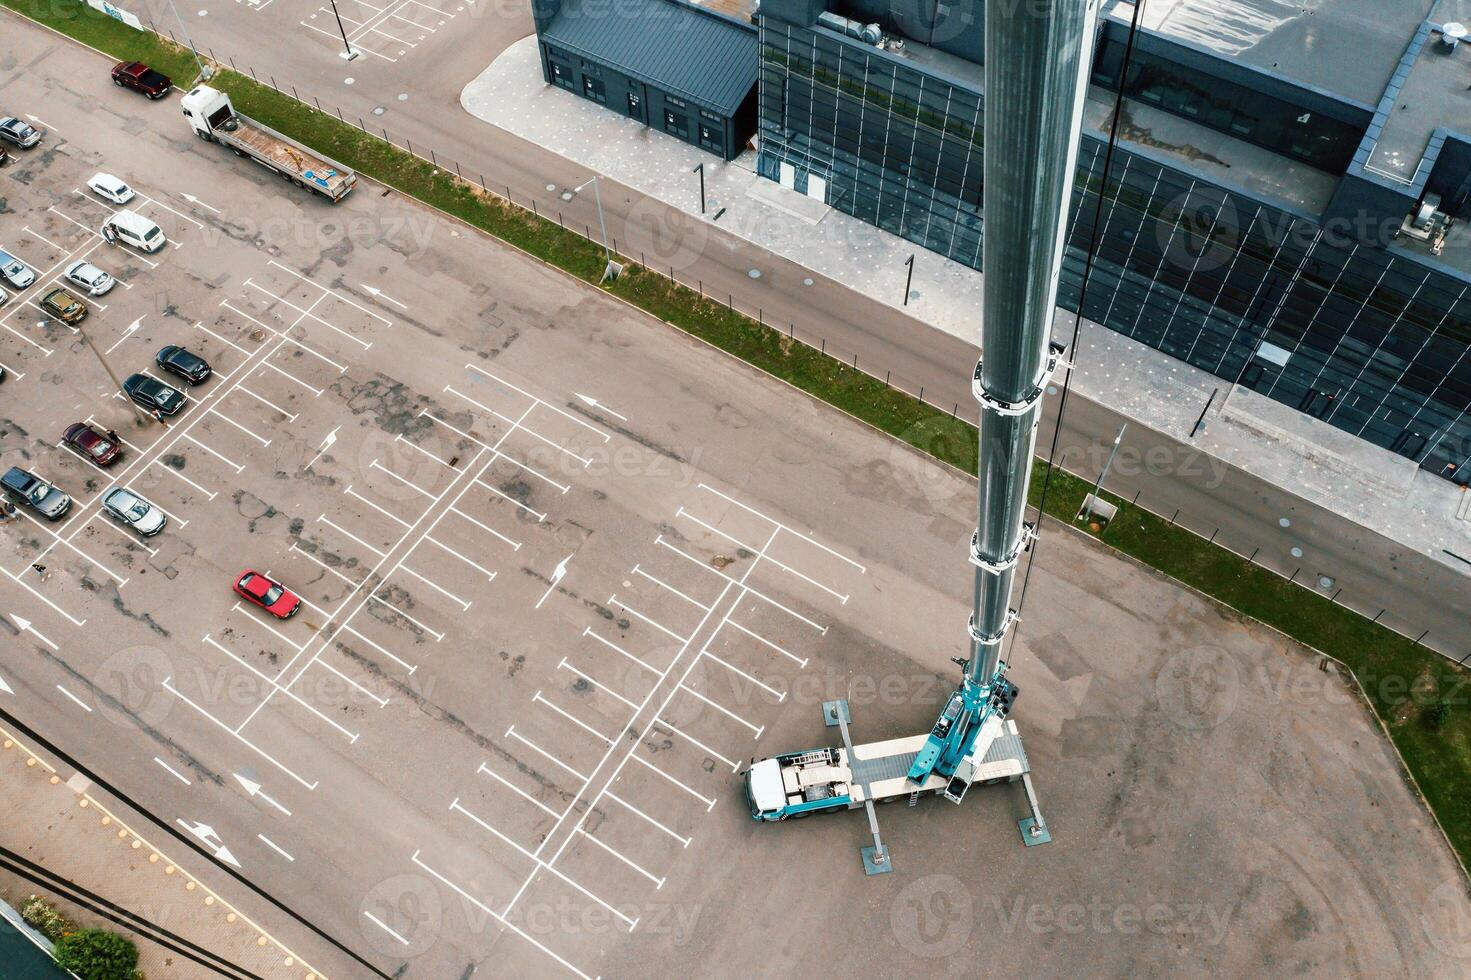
(1036, 55)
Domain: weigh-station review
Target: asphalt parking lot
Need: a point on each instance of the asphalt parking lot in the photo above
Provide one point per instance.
(563, 571)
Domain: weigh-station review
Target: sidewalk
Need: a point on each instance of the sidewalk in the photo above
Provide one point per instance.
(57, 824)
(1373, 487)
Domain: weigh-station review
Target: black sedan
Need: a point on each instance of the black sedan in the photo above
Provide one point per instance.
(183, 363)
(153, 394)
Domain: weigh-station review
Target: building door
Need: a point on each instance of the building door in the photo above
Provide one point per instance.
(562, 75)
(787, 175)
(817, 188)
(636, 107)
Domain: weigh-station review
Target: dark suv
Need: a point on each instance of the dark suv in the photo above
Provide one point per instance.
(36, 493)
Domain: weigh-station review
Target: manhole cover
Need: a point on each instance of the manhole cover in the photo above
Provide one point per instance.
(378, 110)
(1297, 552)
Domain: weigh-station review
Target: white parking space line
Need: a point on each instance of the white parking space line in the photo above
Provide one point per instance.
(498, 454)
(415, 445)
(104, 521)
(444, 547)
(282, 335)
(708, 801)
(58, 539)
(723, 710)
(541, 865)
(495, 915)
(746, 588)
(47, 351)
(564, 665)
(464, 606)
(172, 771)
(580, 724)
(211, 494)
(741, 544)
(501, 493)
(541, 401)
(36, 234)
(350, 736)
(332, 292)
(336, 38)
(512, 733)
(380, 924)
(380, 648)
(381, 701)
(223, 340)
(616, 648)
(388, 514)
(74, 221)
(515, 545)
(699, 744)
(266, 401)
(26, 585)
(178, 214)
(80, 703)
(216, 454)
(168, 686)
(613, 601)
(658, 882)
(316, 392)
(237, 607)
(309, 315)
(406, 482)
(323, 565)
(696, 602)
(779, 695)
(517, 790)
(683, 840)
(805, 537)
(12, 371)
(761, 639)
(438, 636)
(323, 519)
(223, 417)
(273, 846)
(531, 432)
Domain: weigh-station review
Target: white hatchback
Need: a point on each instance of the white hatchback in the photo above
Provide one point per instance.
(87, 276)
(110, 188)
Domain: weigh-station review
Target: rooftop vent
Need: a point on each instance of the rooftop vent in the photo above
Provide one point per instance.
(1451, 34)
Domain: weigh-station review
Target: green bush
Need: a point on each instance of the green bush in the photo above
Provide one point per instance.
(43, 917)
(1435, 715)
(95, 954)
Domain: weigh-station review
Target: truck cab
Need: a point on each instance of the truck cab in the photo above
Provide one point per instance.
(799, 783)
(209, 111)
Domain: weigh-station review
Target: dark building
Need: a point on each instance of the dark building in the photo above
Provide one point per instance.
(684, 69)
(1287, 209)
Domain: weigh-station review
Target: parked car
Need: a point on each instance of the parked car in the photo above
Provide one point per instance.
(90, 443)
(4, 297)
(271, 596)
(153, 394)
(131, 228)
(87, 276)
(140, 78)
(183, 363)
(14, 271)
(35, 493)
(19, 132)
(111, 188)
(4, 156)
(131, 510)
(64, 306)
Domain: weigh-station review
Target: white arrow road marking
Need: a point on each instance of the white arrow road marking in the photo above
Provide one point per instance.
(24, 625)
(252, 788)
(132, 329)
(380, 294)
(5, 687)
(327, 444)
(194, 200)
(207, 834)
(37, 119)
(592, 402)
(557, 575)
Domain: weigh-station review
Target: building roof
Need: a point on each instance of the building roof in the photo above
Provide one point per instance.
(1348, 48)
(678, 48)
(21, 955)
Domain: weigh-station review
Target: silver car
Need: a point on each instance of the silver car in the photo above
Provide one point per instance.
(87, 276)
(21, 133)
(14, 271)
(131, 510)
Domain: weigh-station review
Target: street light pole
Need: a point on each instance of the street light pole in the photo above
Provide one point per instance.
(909, 277)
(349, 54)
(204, 72)
(701, 171)
(1098, 487)
(611, 270)
(142, 419)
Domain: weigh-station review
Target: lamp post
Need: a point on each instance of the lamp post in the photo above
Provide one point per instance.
(701, 171)
(611, 270)
(349, 53)
(142, 419)
(204, 71)
(909, 277)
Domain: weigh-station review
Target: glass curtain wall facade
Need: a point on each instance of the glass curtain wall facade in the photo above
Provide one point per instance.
(1360, 337)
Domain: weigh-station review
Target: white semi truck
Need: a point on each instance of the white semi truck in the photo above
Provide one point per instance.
(214, 119)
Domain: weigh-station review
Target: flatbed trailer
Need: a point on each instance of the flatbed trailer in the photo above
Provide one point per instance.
(215, 120)
(797, 784)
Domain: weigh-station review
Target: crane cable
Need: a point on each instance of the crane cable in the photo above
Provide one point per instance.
(1113, 139)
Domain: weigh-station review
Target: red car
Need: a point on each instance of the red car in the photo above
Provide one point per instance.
(273, 597)
(90, 444)
(140, 78)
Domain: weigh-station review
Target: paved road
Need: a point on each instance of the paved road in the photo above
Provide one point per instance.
(457, 758)
(1367, 571)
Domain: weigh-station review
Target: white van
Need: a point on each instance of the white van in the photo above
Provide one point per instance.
(131, 228)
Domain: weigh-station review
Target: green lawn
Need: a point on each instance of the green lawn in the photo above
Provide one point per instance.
(1431, 726)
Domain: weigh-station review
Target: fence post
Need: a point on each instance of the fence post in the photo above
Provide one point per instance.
(274, 85)
(339, 116)
(294, 95)
(533, 208)
(252, 76)
(433, 159)
(1253, 555)
(886, 378)
(318, 102)
(410, 145)
(482, 184)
